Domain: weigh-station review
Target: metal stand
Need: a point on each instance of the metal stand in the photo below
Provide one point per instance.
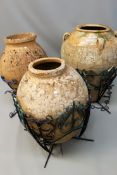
(10, 82)
(48, 144)
(104, 88)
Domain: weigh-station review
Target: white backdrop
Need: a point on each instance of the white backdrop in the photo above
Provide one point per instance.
(19, 153)
(51, 18)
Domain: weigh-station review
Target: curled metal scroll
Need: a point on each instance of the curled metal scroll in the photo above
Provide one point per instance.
(47, 143)
(104, 89)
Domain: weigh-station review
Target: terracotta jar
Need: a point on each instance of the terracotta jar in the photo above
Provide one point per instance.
(50, 94)
(20, 50)
(90, 47)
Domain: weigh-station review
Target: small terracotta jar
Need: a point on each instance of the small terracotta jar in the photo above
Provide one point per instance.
(47, 94)
(20, 50)
(91, 48)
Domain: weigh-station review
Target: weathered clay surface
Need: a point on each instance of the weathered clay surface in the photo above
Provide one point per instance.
(90, 49)
(19, 51)
(43, 93)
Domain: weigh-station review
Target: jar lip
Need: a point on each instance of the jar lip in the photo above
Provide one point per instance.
(20, 38)
(96, 28)
(47, 72)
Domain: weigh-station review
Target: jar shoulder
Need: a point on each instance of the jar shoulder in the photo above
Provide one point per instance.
(87, 39)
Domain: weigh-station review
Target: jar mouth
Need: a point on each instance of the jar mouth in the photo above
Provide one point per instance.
(20, 38)
(47, 67)
(93, 28)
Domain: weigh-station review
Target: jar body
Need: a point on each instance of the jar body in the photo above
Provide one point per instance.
(16, 57)
(51, 99)
(90, 48)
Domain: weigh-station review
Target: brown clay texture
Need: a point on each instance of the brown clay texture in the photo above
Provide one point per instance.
(20, 50)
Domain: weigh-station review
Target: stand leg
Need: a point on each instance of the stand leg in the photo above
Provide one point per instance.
(85, 139)
(51, 149)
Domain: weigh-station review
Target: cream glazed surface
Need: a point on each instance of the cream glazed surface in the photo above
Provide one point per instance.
(90, 47)
(47, 93)
(42, 95)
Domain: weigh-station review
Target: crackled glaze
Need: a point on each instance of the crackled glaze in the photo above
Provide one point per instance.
(43, 93)
(90, 47)
(19, 51)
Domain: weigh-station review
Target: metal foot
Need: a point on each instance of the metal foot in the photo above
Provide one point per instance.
(50, 153)
(85, 139)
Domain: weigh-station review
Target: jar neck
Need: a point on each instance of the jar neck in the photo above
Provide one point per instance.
(47, 67)
(93, 28)
(20, 38)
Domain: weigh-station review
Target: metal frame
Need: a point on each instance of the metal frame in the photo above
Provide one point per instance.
(48, 144)
(104, 89)
(10, 82)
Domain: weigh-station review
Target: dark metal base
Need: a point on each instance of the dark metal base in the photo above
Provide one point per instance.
(47, 145)
(104, 89)
(10, 82)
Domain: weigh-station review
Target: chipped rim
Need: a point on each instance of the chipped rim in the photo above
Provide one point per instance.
(20, 38)
(50, 72)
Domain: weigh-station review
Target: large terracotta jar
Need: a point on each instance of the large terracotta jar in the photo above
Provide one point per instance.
(53, 96)
(20, 50)
(91, 48)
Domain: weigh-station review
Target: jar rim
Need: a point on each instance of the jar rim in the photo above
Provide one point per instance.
(96, 28)
(56, 69)
(20, 38)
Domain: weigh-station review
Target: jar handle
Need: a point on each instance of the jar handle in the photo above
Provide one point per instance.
(66, 35)
(101, 43)
(115, 32)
